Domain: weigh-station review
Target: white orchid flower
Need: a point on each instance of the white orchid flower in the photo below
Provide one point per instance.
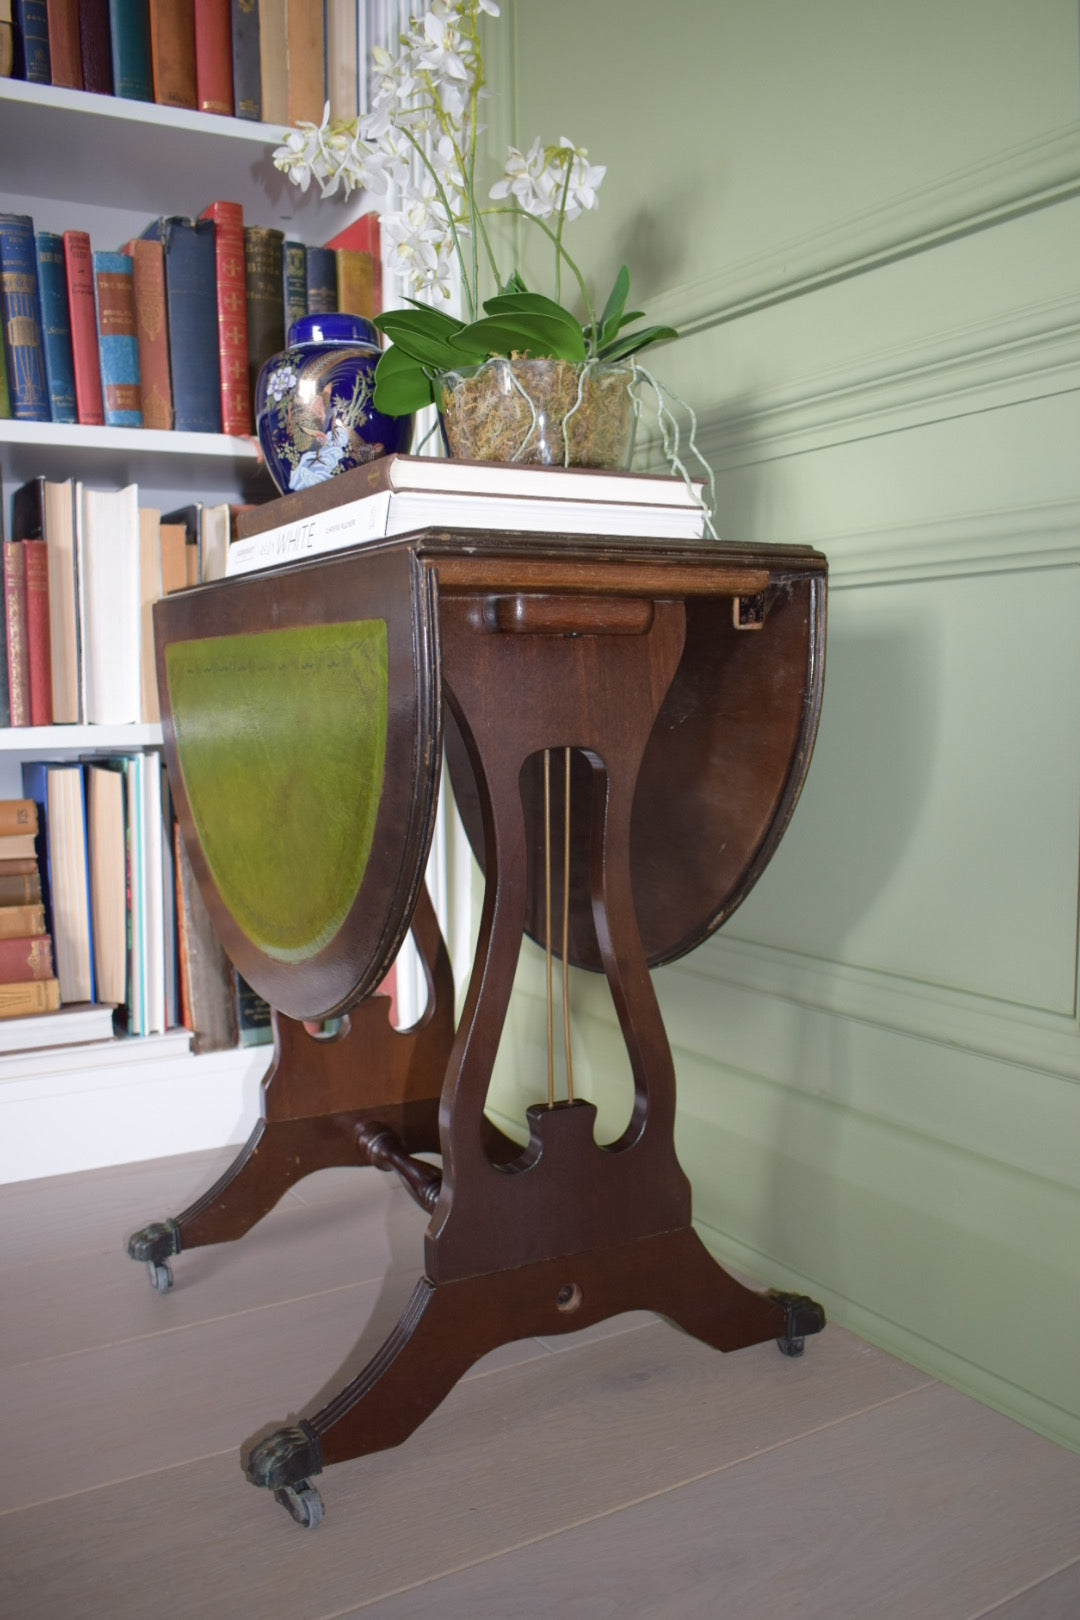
(585, 177)
(528, 182)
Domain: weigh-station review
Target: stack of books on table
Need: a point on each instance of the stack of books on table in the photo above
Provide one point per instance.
(397, 494)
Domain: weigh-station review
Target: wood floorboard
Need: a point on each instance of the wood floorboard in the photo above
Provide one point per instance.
(296, 1250)
(1056, 1598)
(920, 1508)
(527, 1450)
(626, 1470)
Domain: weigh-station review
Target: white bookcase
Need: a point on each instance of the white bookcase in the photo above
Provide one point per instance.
(108, 166)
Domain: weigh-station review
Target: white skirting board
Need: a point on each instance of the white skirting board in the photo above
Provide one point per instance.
(120, 1101)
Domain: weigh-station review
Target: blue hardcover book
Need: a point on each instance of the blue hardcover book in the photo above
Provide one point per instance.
(321, 281)
(129, 31)
(294, 269)
(32, 41)
(65, 877)
(246, 67)
(56, 326)
(20, 309)
(191, 296)
(118, 345)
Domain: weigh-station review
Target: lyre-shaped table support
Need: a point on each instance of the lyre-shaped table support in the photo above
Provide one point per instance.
(569, 1231)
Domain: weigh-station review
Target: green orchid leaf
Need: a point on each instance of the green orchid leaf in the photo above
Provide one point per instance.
(538, 335)
(527, 303)
(445, 323)
(611, 318)
(401, 384)
(634, 341)
(514, 283)
(421, 334)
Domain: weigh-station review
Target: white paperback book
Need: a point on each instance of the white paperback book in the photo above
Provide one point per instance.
(107, 541)
(392, 511)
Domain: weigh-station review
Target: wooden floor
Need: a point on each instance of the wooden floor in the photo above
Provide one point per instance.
(627, 1471)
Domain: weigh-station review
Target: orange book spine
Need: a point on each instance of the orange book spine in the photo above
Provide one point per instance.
(152, 332)
(31, 996)
(363, 236)
(172, 52)
(17, 816)
(38, 639)
(356, 283)
(228, 221)
(304, 33)
(15, 627)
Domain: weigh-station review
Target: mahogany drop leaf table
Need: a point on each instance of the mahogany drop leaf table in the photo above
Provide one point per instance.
(628, 725)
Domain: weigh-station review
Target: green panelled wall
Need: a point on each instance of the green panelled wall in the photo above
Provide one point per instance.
(867, 219)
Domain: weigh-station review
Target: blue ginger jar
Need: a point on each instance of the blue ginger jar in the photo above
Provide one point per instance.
(313, 408)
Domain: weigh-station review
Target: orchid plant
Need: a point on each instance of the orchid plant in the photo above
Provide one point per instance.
(423, 120)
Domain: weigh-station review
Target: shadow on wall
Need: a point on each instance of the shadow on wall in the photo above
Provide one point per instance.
(859, 813)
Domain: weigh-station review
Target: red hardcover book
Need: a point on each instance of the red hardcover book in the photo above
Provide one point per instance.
(213, 57)
(172, 52)
(15, 628)
(38, 642)
(27, 958)
(362, 236)
(151, 331)
(228, 218)
(65, 54)
(89, 403)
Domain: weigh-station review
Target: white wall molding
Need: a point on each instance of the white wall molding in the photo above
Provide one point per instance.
(992, 542)
(1025, 353)
(1030, 1037)
(1032, 175)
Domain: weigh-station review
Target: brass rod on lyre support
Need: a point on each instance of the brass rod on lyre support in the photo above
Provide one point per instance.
(565, 929)
(547, 928)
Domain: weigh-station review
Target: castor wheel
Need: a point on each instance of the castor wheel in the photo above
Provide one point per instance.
(801, 1316)
(160, 1274)
(303, 1502)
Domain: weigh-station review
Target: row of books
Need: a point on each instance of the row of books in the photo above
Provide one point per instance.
(28, 981)
(118, 920)
(274, 60)
(82, 570)
(171, 331)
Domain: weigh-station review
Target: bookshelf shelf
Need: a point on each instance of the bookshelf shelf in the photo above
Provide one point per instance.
(116, 456)
(138, 157)
(63, 742)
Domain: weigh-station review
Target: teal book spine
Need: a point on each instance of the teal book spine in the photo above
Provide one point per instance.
(118, 344)
(129, 31)
(32, 41)
(20, 310)
(56, 326)
(294, 267)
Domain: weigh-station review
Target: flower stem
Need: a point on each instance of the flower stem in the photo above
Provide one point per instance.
(562, 253)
